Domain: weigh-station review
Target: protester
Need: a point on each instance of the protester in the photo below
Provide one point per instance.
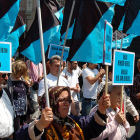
(6, 110)
(117, 127)
(71, 75)
(135, 89)
(56, 124)
(135, 97)
(19, 83)
(35, 74)
(52, 78)
(128, 105)
(76, 68)
(91, 78)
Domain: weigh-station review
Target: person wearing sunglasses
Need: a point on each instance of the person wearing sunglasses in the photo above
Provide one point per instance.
(56, 124)
(6, 110)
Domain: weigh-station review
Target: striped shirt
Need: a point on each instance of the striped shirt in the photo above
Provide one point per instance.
(35, 71)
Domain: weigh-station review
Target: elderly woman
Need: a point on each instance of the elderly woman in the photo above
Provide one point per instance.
(55, 124)
(117, 127)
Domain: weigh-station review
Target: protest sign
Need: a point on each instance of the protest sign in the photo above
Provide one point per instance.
(123, 68)
(57, 50)
(5, 57)
(107, 57)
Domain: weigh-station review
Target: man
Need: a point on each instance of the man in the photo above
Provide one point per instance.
(135, 89)
(6, 110)
(52, 76)
(91, 78)
(71, 75)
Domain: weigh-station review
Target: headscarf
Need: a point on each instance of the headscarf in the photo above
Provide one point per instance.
(54, 93)
(67, 127)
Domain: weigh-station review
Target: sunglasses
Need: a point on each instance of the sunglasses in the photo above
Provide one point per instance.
(3, 76)
(65, 100)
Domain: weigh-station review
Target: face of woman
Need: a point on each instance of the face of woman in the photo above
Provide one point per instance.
(64, 103)
(115, 98)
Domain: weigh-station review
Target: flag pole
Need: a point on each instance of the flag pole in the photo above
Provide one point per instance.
(116, 40)
(71, 13)
(42, 51)
(106, 66)
(122, 87)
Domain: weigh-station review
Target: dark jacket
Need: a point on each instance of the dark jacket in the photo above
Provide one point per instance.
(90, 127)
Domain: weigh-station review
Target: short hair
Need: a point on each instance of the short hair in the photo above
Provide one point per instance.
(55, 57)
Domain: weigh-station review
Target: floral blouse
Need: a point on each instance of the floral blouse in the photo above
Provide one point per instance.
(19, 97)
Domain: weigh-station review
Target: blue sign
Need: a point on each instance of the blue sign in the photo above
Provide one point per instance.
(123, 68)
(57, 50)
(5, 57)
(107, 58)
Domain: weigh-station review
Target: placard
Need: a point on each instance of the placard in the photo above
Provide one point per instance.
(123, 68)
(107, 57)
(57, 50)
(5, 57)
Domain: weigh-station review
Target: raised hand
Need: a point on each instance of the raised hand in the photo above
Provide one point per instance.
(104, 103)
(46, 119)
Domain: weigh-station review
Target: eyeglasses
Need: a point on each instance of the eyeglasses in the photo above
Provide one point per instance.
(3, 76)
(65, 100)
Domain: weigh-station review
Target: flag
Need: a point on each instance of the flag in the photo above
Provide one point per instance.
(8, 13)
(88, 36)
(118, 18)
(16, 33)
(132, 15)
(135, 27)
(67, 11)
(126, 42)
(127, 17)
(135, 46)
(51, 31)
(119, 2)
(59, 15)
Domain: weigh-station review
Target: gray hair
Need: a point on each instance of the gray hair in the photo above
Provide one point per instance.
(55, 57)
(110, 89)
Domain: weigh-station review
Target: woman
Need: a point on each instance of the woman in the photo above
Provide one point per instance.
(117, 127)
(19, 83)
(55, 124)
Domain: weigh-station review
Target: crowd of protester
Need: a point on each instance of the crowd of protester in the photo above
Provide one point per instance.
(79, 108)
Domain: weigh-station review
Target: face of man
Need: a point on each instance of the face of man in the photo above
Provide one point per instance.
(54, 67)
(3, 78)
(74, 65)
(92, 66)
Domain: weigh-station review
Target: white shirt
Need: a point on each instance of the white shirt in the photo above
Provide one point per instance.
(89, 91)
(6, 116)
(78, 71)
(72, 80)
(52, 81)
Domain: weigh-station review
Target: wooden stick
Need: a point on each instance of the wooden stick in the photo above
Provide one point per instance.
(122, 88)
(106, 81)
